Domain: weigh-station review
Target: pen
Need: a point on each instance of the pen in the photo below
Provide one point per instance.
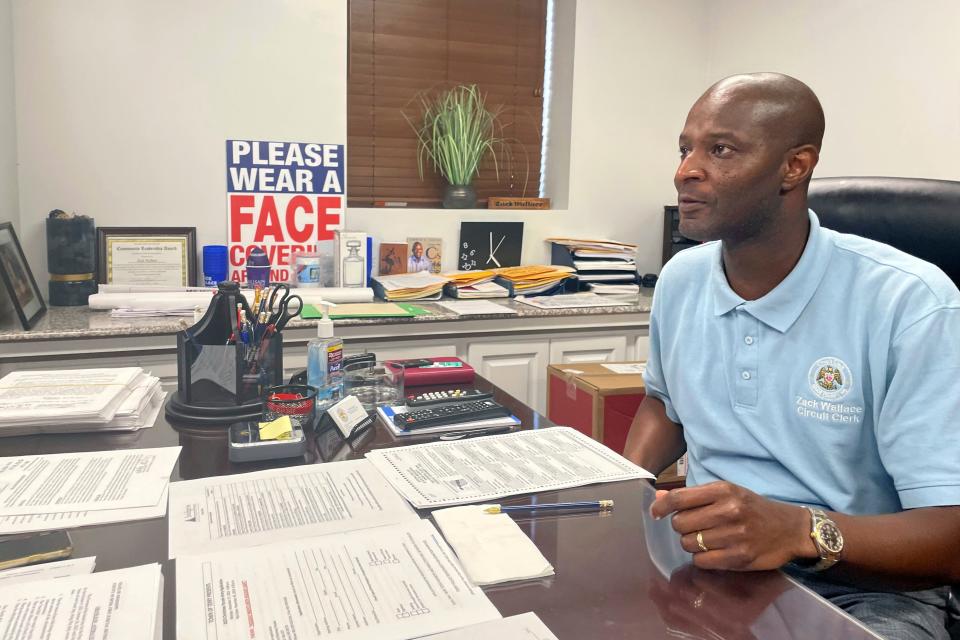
(473, 433)
(594, 505)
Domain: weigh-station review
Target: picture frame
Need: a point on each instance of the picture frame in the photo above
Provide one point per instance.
(18, 279)
(147, 256)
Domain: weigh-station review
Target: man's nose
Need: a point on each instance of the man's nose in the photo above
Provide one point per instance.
(690, 169)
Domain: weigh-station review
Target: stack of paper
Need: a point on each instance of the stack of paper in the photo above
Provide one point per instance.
(64, 490)
(75, 400)
(474, 284)
(623, 288)
(535, 278)
(410, 286)
(387, 583)
(583, 300)
(126, 604)
(601, 260)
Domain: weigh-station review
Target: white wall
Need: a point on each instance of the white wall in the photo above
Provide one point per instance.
(124, 106)
(9, 200)
(886, 71)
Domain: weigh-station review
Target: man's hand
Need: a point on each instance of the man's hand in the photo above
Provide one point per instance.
(741, 530)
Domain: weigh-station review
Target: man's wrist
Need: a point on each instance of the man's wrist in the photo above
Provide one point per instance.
(805, 548)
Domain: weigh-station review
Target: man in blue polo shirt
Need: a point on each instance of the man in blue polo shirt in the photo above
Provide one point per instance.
(810, 375)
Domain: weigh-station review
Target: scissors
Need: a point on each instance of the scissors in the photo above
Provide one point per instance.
(279, 309)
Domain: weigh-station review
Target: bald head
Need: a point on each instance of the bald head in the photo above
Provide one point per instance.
(786, 109)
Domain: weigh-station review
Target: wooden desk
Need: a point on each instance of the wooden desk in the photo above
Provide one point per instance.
(606, 585)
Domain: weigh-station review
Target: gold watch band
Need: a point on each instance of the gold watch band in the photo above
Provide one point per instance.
(827, 557)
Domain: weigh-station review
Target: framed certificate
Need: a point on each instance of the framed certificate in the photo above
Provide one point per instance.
(164, 256)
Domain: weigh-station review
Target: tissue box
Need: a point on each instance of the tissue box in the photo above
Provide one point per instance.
(350, 259)
(596, 400)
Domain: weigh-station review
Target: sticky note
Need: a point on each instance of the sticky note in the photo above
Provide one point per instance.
(279, 429)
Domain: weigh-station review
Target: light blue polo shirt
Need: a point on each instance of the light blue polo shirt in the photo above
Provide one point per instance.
(840, 388)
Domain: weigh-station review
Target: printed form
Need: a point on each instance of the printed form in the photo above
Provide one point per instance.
(388, 583)
(125, 604)
(87, 481)
(229, 512)
(441, 474)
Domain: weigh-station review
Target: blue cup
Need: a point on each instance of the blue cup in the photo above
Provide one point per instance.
(214, 264)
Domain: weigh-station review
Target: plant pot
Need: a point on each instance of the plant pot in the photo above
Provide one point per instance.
(459, 197)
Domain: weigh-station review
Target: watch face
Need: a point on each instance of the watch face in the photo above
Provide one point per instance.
(828, 535)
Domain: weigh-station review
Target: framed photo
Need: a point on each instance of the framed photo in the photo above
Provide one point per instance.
(147, 255)
(424, 254)
(18, 279)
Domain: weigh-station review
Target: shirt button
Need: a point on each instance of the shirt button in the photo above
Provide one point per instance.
(748, 340)
(745, 375)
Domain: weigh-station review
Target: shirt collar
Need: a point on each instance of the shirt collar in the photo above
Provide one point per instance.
(781, 307)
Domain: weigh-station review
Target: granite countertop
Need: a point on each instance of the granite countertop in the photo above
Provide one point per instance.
(61, 323)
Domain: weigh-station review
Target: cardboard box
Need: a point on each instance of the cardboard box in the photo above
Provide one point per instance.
(599, 401)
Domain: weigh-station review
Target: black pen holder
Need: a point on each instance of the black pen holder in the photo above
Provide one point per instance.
(220, 377)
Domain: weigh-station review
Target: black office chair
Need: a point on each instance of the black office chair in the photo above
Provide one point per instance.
(918, 216)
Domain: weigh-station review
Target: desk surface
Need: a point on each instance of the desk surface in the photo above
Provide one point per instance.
(606, 585)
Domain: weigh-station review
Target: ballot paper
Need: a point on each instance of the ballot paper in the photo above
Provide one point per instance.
(388, 583)
(47, 571)
(491, 547)
(125, 604)
(526, 626)
(442, 474)
(86, 481)
(71, 519)
(229, 512)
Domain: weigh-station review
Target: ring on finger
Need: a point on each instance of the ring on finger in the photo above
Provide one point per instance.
(700, 542)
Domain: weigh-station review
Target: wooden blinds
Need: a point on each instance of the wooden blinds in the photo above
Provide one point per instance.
(400, 47)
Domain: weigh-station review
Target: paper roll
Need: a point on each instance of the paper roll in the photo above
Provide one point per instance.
(190, 299)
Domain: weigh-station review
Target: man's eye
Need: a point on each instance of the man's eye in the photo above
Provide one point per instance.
(683, 152)
(721, 150)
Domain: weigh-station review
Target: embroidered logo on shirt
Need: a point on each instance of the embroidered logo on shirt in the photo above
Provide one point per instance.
(830, 378)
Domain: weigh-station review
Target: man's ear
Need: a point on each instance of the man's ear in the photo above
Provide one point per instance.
(800, 163)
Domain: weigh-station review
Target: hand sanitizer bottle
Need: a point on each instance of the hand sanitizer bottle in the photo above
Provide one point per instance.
(324, 360)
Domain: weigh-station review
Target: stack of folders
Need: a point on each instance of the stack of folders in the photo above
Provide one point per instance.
(474, 284)
(386, 414)
(409, 286)
(77, 400)
(605, 265)
(535, 279)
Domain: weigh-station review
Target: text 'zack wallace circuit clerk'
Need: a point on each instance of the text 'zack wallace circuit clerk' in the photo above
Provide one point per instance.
(283, 197)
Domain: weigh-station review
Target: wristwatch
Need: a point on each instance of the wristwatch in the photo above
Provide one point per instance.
(827, 537)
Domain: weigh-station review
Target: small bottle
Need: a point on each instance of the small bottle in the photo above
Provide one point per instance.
(324, 361)
(353, 266)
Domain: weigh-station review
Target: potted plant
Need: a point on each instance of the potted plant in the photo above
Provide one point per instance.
(455, 132)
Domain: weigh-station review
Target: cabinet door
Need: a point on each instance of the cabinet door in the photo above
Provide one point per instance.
(595, 349)
(517, 367)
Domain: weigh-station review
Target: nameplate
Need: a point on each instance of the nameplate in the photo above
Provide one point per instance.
(518, 203)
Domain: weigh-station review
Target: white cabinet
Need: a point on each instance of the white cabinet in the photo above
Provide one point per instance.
(582, 349)
(641, 347)
(517, 366)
